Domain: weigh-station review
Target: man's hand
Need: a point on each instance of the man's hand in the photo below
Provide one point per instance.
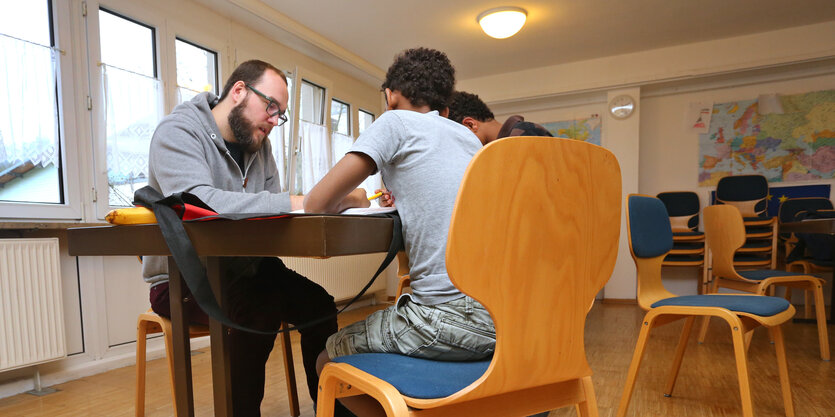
(387, 199)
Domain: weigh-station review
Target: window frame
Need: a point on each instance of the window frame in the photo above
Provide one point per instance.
(69, 143)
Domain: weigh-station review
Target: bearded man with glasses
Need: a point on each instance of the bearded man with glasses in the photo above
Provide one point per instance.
(218, 149)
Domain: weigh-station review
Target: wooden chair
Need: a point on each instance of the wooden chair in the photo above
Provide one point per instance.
(534, 263)
(725, 234)
(150, 323)
(650, 238)
(749, 194)
(403, 273)
(683, 208)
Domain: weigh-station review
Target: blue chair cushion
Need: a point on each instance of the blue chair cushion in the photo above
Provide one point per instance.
(761, 274)
(416, 377)
(753, 304)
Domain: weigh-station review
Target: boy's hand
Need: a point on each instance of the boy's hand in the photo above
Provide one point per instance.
(356, 198)
(387, 199)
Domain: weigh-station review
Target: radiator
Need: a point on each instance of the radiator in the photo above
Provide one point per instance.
(31, 311)
(343, 276)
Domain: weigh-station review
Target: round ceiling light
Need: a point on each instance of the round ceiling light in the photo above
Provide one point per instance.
(502, 22)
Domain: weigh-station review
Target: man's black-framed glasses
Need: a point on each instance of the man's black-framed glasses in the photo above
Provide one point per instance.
(272, 107)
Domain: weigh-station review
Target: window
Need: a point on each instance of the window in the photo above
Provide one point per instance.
(30, 146)
(365, 120)
(280, 138)
(341, 139)
(133, 102)
(340, 117)
(196, 70)
(311, 156)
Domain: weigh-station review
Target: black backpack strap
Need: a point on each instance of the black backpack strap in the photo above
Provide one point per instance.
(194, 273)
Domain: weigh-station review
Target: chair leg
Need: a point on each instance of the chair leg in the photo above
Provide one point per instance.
(788, 295)
(587, 408)
(737, 331)
(682, 346)
(141, 332)
(748, 335)
(703, 329)
(780, 348)
(643, 337)
(706, 319)
(168, 337)
(290, 372)
(820, 310)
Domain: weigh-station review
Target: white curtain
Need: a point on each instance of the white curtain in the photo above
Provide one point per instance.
(280, 141)
(133, 105)
(28, 104)
(340, 144)
(312, 161)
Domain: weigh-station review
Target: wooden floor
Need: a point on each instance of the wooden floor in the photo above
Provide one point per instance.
(707, 384)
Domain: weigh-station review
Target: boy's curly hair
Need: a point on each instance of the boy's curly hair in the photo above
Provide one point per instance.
(424, 76)
(464, 104)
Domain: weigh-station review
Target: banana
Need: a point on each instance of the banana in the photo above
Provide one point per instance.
(131, 215)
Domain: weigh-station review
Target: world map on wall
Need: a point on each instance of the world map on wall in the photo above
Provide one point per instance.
(587, 130)
(798, 144)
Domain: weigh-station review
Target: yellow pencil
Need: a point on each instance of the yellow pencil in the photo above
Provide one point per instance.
(375, 196)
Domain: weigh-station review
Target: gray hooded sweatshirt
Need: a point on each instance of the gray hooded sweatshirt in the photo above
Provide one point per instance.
(188, 154)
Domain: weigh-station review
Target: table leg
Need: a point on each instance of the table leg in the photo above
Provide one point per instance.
(184, 397)
(221, 374)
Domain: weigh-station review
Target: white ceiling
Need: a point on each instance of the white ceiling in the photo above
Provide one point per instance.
(557, 31)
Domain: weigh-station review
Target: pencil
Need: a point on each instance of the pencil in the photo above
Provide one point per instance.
(375, 196)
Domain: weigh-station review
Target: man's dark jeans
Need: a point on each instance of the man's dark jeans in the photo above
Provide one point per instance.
(261, 293)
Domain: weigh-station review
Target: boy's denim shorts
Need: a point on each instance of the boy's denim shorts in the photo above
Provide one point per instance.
(457, 330)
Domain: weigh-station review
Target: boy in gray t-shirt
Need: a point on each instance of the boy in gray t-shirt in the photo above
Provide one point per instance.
(422, 157)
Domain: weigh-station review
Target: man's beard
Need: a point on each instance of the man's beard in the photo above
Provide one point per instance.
(243, 129)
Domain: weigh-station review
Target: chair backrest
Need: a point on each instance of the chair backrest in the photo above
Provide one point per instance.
(790, 208)
(747, 192)
(683, 208)
(724, 233)
(650, 239)
(534, 237)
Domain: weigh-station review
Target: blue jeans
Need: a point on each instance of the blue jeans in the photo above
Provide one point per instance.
(458, 330)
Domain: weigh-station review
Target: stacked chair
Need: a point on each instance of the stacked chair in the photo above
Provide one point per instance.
(725, 235)
(688, 242)
(749, 194)
(650, 240)
(538, 301)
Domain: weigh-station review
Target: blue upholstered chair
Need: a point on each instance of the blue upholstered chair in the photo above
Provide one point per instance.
(650, 238)
(725, 234)
(535, 263)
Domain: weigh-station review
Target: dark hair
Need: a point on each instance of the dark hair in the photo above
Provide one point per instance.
(249, 72)
(464, 104)
(424, 76)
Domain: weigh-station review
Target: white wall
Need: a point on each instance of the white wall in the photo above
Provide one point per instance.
(655, 152)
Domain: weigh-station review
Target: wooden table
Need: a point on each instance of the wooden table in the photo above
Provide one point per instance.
(307, 236)
(816, 226)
